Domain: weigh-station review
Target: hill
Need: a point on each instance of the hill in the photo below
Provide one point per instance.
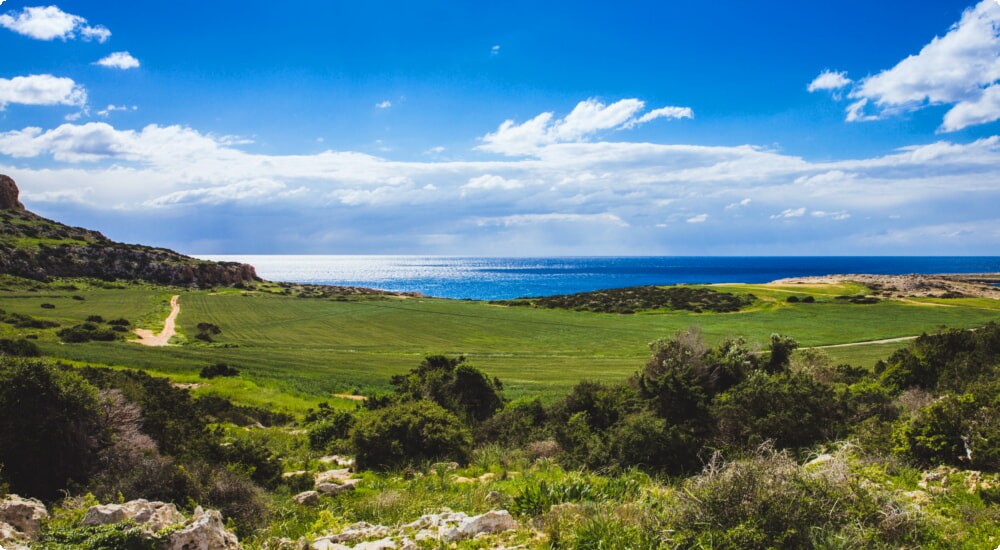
(38, 248)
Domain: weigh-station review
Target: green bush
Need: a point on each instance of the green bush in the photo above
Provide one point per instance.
(329, 427)
(120, 536)
(408, 434)
(218, 369)
(19, 348)
(793, 410)
(49, 427)
(960, 430)
(453, 384)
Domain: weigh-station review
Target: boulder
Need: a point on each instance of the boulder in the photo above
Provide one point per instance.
(338, 476)
(357, 531)
(206, 531)
(152, 516)
(9, 194)
(23, 514)
(490, 522)
(307, 498)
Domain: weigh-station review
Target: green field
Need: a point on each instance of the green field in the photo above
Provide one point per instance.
(295, 352)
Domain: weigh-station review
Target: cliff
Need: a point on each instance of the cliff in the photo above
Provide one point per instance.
(38, 248)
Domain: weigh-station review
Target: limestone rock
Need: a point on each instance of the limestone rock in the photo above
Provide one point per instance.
(490, 522)
(307, 498)
(23, 514)
(152, 516)
(337, 476)
(9, 194)
(206, 531)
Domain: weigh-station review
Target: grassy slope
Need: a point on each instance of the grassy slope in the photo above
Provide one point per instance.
(295, 352)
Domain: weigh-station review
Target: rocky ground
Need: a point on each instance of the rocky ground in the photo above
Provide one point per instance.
(913, 286)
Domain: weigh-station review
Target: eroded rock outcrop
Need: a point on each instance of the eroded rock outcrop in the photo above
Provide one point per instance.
(205, 531)
(152, 516)
(25, 515)
(9, 194)
(38, 248)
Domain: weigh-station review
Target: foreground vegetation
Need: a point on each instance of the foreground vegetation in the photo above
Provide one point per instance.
(720, 446)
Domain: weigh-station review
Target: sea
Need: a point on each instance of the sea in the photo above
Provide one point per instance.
(481, 278)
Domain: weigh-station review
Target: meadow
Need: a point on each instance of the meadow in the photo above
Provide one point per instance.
(295, 352)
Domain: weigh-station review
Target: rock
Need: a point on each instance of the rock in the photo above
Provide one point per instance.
(494, 497)
(23, 514)
(103, 514)
(334, 488)
(296, 473)
(9, 194)
(307, 498)
(357, 531)
(383, 544)
(490, 522)
(446, 466)
(9, 535)
(338, 476)
(206, 531)
(338, 460)
(153, 516)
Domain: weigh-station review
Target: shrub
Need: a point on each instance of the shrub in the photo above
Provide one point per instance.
(644, 440)
(48, 306)
(120, 536)
(453, 384)
(330, 427)
(809, 299)
(955, 429)
(408, 434)
(49, 422)
(95, 319)
(86, 332)
(206, 331)
(119, 322)
(792, 299)
(18, 348)
(793, 410)
(217, 370)
(515, 425)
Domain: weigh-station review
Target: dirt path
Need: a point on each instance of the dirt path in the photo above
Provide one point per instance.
(147, 338)
(867, 342)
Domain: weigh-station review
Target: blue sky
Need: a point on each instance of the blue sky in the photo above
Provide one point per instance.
(510, 128)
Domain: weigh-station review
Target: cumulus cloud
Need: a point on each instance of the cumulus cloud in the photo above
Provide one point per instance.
(41, 89)
(495, 50)
(383, 104)
(829, 80)
(960, 68)
(585, 120)
(119, 60)
(489, 181)
(49, 23)
(567, 195)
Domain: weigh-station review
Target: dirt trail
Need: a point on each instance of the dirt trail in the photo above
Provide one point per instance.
(867, 342)
(147, 338)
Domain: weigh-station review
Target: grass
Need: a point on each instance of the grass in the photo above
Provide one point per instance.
(296, 352)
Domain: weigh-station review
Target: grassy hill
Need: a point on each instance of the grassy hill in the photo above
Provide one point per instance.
(296, 351)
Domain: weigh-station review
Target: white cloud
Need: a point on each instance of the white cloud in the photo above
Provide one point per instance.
(839, 215)
(50, 22)
(961, 68)
(734, 205)
(587, 118)
(790, 213)
(490, 182)
(105, 112)
(250, 191)
(698, 218)
(383, 104)
(829, 80)
(119, 60)
(435, 150)
(41, 89)
(532, 219)
(495, 50)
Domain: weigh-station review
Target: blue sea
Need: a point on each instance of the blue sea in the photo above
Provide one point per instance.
(504, 278)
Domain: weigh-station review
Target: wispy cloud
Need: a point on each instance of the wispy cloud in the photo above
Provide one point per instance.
(49, 23)
(383, 104)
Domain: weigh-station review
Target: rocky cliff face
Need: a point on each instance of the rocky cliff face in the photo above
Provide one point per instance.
(34, 247)
(9, 194)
